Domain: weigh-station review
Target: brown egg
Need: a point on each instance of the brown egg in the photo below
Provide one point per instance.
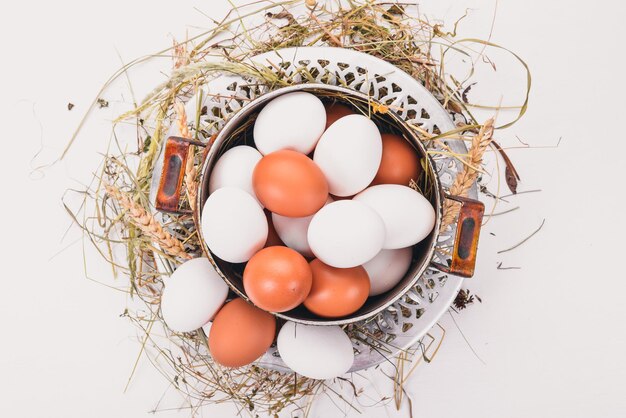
(335, 111)
(290, 184)
(272, 236)
(400, 162)
(240, 333)
(337, 292)
(277, 279)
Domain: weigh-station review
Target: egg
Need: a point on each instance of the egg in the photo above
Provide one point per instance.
(335, 111)
(234, 169)
(192, 295)
(346, 234)
(293, 231)
(277, 279)
(290, 184)
(408, 216)
(400, 163)
(349, 154)
(240, 334)
(337, 292)
(272, 236)
(387, 269)
(233, 225)
(316, 352)
(292, 121)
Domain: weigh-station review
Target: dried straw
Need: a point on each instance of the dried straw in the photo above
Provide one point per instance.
(190, 168)
(180, 55)
(466, 177)
(146, 222)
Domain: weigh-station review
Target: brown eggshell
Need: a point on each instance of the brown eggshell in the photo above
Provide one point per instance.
(335, 111)
(399, 164)
(337, 292)
(277, 279)
(272, 236)
(290, 184)
(240, 333)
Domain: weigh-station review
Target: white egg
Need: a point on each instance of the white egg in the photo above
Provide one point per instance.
(387, 269)
(317, 352)
(408, 216)
(349, 154)
(234, 169)
(292, 121)
(346, 234)
(293, 231)
(192, 296)
(234, 226)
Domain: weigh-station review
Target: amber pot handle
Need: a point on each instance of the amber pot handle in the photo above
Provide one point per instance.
(466, 240)
(173, 174)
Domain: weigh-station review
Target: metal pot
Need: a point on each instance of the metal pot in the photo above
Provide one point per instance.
(235, 132)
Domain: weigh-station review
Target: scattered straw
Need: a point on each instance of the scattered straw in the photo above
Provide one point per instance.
(183, 128)
(191, 172)
(525, 239)
(180, 54)
(148, 225)
(466, 177)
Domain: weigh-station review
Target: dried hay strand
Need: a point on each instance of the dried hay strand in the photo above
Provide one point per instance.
(191, 172)
(466, 178)
(147, 224)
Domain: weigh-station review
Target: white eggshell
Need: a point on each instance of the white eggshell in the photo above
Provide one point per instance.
(387, 269)
(349, 154)
(346, 234)
(293, 231)
(317, 352)
(234, 169)
(193, 295)
(408, 216)
(234, 226)
(292, 121)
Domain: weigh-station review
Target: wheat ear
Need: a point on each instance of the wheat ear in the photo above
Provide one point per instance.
(190, 167)
(466, 178)
(146, 222)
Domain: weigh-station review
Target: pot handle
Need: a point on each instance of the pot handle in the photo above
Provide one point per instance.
(466, 241)
(173, 173)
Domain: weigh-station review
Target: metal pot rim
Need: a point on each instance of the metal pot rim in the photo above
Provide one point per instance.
(214, 151)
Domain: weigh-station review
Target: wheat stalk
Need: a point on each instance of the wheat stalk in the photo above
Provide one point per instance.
(146, 222)
(180, 55)
(183, 129)
(190, 167)
(466, 178)
(190, 178)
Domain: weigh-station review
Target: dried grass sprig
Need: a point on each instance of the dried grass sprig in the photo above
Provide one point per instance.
(183, 128)
(191, 172)
(147, 224)
(466, 177)
(190, 168)
(180, 54)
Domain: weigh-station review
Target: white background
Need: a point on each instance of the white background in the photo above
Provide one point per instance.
(550, 336)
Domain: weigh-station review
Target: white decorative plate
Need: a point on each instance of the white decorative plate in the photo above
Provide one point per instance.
(404, 323)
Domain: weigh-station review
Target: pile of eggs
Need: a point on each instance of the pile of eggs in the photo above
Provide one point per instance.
(321, 212)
